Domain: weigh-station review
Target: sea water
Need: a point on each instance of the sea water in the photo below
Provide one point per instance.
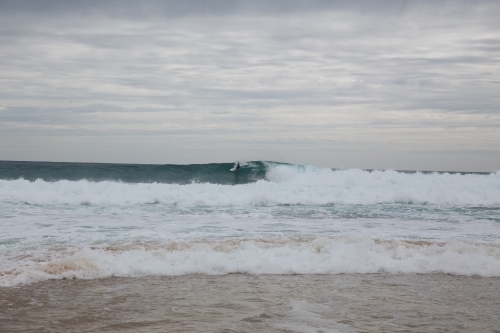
(270, 220)
(61, 220)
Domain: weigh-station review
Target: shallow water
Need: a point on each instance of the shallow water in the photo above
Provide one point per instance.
(256, 303)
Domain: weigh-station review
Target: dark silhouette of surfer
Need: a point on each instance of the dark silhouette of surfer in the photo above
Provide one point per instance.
(236, 165)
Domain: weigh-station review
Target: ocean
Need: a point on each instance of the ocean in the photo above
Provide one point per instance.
(269, 247)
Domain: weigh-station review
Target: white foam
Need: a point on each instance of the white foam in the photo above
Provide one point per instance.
(360, 187)
(307, 317)
(343, 254)
(287, 184)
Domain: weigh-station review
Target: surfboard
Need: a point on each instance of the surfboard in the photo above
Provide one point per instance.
(233, 169)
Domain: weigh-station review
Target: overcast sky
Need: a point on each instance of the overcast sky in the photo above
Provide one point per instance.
(367, 84)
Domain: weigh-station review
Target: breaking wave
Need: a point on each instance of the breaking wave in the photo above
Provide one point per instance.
(343, 254)
(281, 185)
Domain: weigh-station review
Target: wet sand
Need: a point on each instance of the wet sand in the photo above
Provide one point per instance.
(250, 303)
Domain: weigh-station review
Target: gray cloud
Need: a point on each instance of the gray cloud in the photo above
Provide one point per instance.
(327, 75)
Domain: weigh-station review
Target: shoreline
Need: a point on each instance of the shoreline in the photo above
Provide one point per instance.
(257, 303)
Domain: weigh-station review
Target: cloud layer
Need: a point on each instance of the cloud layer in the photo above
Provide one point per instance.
(364, 84)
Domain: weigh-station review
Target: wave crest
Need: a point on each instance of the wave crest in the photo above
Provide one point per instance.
(284, 185)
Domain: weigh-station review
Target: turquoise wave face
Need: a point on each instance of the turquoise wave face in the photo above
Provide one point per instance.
(215, 173)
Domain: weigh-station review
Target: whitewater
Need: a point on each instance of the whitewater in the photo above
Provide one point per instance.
(92, 221)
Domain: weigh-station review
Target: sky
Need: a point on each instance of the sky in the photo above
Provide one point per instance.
(412, 85)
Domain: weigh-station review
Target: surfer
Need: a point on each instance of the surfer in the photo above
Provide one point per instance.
(236, 166)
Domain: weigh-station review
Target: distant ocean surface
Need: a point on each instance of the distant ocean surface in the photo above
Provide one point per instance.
(92, 221)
